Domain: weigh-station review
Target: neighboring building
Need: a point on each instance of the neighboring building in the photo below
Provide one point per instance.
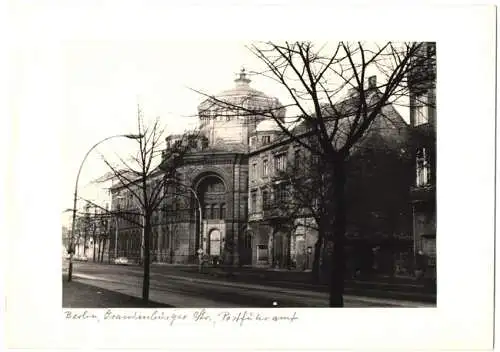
(379, 213)
(91, 239)
(423, 190)
(125, 223)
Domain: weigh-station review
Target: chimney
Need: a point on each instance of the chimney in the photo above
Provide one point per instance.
(352, 91)
(372, 82)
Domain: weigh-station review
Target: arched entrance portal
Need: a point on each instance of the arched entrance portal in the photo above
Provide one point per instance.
(212, 195)
(214, 243)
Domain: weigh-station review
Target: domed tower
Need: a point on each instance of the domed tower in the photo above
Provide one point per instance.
(232, 115)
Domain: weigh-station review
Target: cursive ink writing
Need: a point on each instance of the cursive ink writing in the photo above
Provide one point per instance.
(85, 315)
(241, 317)
(170, 317)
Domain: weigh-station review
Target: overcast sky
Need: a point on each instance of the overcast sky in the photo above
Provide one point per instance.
(105, 81)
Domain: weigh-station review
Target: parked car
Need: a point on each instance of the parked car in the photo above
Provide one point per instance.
(82, 258)
(121, 261)
(65, 253)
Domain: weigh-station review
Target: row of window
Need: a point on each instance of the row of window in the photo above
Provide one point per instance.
(214, 211)
(263, 140)
(236, 112)
(280, 164)
(227, 117)
(280, 195)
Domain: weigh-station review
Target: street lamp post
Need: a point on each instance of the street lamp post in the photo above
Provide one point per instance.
(199, 210)
(75, 196)
(116, 228)
(116, 238)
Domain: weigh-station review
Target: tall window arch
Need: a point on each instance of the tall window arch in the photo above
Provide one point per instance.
(212, 194)
(222, 211)
(214, 241)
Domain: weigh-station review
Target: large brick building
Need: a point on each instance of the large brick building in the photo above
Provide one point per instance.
(231, 176)
(213, 180)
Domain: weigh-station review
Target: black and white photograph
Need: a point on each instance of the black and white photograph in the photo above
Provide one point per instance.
(218, 177)
(321, 195)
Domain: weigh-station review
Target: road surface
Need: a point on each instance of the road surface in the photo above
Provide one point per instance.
(189, 290)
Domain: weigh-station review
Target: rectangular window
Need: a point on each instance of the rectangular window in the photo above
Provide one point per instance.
(316, 204)
(254, 170)
(266, 139)
(280, 162)
(315, 159)
(281, 193)
(253, 201)
(296, 158)
(265, 199)
(265, 167)
(421, 109)
(423, 168)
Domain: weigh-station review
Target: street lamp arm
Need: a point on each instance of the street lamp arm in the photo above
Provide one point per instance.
(130, 136)
(75, 195)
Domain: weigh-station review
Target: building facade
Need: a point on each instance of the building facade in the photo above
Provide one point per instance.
(230, 191)
(423, 119)
(284, 231)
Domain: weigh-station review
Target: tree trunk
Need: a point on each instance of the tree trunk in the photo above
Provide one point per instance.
(85, 244)
(289, 251)
(317, 255)
(99, 250)
(147, 245)
(103, 244)
(93, 241)
(338, 207)
(273, 249)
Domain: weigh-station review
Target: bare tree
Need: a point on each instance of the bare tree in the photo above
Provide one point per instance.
(304, 190)
(316, 80)
(140, 178)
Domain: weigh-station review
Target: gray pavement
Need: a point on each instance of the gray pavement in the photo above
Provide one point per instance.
(190, 290)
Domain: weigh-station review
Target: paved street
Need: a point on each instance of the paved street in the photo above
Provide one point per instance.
(174, 287)
(79, 295)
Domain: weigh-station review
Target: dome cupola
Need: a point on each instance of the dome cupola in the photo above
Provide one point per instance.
(231, 115)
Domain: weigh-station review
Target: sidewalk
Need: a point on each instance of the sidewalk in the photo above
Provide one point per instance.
(79, 295)
(393, 288)
(317, 299)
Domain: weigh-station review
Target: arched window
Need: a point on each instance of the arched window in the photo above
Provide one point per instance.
(208, 211)
(215, 211)
(223, 211)
(211, 192)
